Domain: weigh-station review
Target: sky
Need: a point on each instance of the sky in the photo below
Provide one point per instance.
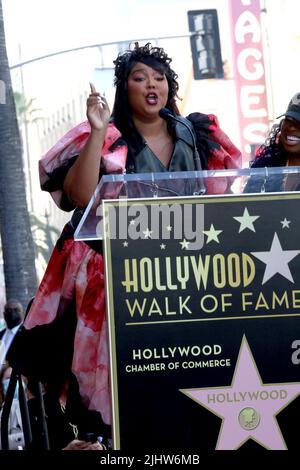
(36, 28)
(46, 26)
(39, 27)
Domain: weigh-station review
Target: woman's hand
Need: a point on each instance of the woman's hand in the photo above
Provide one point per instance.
(82, 178)
(83, 445)
(98, 112)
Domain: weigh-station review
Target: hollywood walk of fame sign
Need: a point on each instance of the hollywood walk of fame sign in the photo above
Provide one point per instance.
(204, 322)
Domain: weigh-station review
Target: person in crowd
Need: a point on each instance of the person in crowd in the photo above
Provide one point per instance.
(66, 326)
(67, 420)
(13, 316)
(15, 429)
(70, 425)
(281, 148)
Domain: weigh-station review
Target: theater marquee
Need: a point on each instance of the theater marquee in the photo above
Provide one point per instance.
(249, 72)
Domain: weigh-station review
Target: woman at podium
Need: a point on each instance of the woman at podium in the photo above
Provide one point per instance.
(144, 133)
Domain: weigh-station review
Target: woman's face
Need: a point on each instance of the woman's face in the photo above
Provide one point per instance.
(290, 135)
(147, 91)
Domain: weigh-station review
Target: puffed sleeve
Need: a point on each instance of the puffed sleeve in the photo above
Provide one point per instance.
(55, 164)
(216, 150)
(221, 151)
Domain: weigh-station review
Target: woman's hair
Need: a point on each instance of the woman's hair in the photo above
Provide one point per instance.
(154, 57)
(271, 148)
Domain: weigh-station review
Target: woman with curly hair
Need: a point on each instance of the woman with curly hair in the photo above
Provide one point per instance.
(281, 148)
(70, 301)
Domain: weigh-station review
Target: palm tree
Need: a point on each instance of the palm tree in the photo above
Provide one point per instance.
(44, 235)
(26, 112)
(26, 115)
(16, 236)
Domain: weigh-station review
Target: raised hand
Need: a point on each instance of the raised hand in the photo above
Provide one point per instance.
(98, 112)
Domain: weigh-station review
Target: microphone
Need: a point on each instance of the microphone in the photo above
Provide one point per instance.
(166, 114)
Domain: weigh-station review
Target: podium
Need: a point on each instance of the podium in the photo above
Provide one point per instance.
(203, 307)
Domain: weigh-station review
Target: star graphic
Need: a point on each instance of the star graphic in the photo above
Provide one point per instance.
(285, 223)
(248, 407)
(125, 244)
(212, 234)
(246, 220)
(147, 233)
(162, 246)
(276, 260)
(184, 244)
(169, 228)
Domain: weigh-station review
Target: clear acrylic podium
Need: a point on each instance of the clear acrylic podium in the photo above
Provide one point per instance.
(178, 184)
(204, 337)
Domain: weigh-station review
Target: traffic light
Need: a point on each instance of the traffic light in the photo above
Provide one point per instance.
(205, 44)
